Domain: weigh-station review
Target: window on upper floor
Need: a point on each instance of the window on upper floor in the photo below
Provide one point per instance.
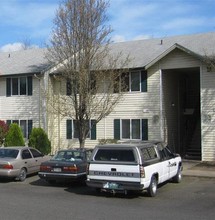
(72, 86)
(19, 86)
(131, 129)
(25, 125)
(134, 81)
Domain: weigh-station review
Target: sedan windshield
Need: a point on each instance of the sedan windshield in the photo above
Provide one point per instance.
(69, 156)
(10, 153)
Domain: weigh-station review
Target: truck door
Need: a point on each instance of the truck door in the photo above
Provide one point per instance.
(164, 164)
(171, 162)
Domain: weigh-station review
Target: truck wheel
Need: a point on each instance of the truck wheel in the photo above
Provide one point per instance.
(177, 178)
(152, 190)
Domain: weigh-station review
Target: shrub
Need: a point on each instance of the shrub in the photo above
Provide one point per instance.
(107, 141)
(3, 131)
(14, 136)
(39, 140)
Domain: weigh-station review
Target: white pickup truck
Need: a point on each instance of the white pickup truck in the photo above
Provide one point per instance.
(133, 166)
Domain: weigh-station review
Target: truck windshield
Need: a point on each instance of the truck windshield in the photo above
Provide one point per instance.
(121, 155)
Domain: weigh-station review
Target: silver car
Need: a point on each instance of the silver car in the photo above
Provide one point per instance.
(18, 162)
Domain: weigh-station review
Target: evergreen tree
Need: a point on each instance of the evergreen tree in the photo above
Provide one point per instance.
(14, 136)
(39, 140)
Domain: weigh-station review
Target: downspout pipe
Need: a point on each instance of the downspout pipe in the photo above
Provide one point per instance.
(161, 107)
(39, 99)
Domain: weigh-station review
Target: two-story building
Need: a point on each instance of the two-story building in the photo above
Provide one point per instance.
(171, 98)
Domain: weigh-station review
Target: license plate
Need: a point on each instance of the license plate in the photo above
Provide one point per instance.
(57, 169)
(112, 186)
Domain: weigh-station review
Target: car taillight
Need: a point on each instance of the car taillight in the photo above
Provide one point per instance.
(7, 166)
(142, 172)
(71, 168)
(45, 168)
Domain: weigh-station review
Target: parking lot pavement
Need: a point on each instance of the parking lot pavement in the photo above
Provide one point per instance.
(198, 168)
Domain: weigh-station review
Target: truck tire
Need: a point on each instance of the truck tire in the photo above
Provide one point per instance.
(178, 177)
(152, 190)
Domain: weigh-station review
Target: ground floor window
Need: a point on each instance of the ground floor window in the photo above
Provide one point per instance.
(131, 129)
(72, 129)
(25, 125)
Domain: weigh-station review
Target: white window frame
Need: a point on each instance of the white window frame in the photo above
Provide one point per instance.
(19, 85)
(25, 134)
(131, 138)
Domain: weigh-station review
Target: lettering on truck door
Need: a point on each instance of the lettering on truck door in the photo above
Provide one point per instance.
(172, 163)
(169, 164)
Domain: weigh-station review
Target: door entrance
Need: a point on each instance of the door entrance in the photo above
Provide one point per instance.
(181, 111)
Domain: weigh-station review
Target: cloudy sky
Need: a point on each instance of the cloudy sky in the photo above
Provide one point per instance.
(31, 20)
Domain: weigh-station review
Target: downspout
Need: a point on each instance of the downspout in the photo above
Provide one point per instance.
(39, 98)
(59, 118)
(161, 107)
(202, 143)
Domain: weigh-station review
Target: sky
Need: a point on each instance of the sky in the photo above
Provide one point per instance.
(31, 21)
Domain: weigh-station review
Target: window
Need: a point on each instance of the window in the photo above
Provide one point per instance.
(72, 129)
(124, 82)
(26, 154)
(148, 153)
(72, 85)
(15, 87)
(25, 125)
(116, 155)
(131, 129)
(134, 81)
(19, 86)
(135, 128)
(23, 85)
(36, 153)
(88, 154)
(125, 129)
(68, 88)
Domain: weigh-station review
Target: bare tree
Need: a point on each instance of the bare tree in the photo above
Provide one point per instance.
(210, 61)
(26, 43)
(81, 48)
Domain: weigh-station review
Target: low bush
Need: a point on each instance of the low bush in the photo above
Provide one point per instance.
(107, 141)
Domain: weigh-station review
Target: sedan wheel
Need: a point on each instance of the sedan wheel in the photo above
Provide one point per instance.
(22, 175)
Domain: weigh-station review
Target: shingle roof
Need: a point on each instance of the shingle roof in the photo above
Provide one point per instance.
(145, 51)
(142, 52)
(24, 61)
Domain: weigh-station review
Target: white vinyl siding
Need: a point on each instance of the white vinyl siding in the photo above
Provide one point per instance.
(208, 114)
(178, 59)
(21, 107)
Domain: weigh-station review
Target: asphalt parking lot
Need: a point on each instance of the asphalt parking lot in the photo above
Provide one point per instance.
(33, 199)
